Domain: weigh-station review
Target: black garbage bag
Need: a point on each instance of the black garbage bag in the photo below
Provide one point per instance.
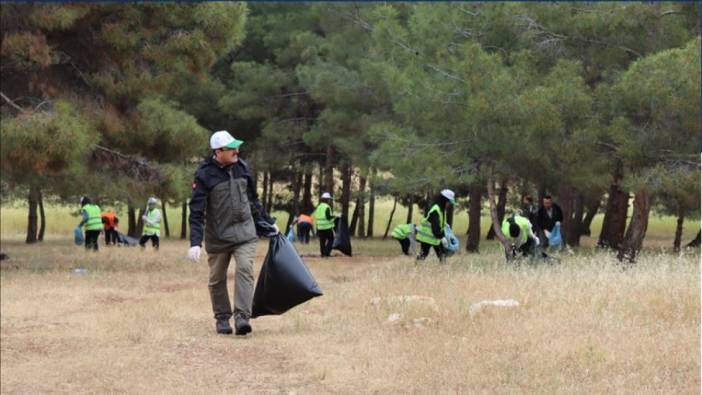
(284, 281)
(124, 239)
(342, 241)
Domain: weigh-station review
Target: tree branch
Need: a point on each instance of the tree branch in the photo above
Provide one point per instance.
(11, 103)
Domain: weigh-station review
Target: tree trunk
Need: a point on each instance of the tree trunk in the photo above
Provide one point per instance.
(269, 204)
(635, 233)
(264, 195)
(679, 229)
(474, 205)
(184, 220)
(614, 222)
(371, 209)
(576, 220)
(566, 198)
(501, 203)
(140, 224)
(410, 209)
(590, 213)
(307, 205)
(320, 182)
(354, 220)
(42, 218)
(295, 204)
(253, 168)
(695, 242)
(329, 170)
(428, 199)
(345, 189)
(392, 213)
(32, 200)
(493, 214)
(362, 207)
(165, 218)
(131, 218)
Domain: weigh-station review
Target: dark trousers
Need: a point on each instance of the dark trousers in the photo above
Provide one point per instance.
(91, 239)
(405, 244)
(326, 240)
(144, 238)
(303, 232)
(542, 237)
(110, 236)
(529, 249)
(439, 249)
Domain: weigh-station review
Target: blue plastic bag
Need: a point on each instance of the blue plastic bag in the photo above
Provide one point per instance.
(555, 239)
(78, 236)
(453, 243)
(291, 235)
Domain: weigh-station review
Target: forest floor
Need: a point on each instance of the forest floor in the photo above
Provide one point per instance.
(141, 322)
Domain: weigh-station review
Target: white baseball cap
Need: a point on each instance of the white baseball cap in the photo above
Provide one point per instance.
(450, 195)
(326, 195)
(222, 139)
(152, 200)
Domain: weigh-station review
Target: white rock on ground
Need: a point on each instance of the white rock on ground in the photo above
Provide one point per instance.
(475, 308)
(394, 317)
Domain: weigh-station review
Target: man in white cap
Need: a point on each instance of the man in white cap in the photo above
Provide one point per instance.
(430, 232)
(152, 224)
(324, 221)
(224, 199)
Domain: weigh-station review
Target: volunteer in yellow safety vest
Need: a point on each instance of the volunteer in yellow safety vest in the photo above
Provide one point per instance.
(430, 232)
(405, 234)
(92, 221)
(324, 221)
(152, 224)
(518, 231)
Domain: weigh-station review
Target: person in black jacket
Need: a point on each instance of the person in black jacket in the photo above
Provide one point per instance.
(549, 213)
(224, 201)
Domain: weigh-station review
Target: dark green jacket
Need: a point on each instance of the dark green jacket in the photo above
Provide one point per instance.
(224, 199)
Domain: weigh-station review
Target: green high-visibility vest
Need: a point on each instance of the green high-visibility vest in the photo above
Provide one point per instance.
(424, 233)
(524, 227)
(402, 231)
(94, 218)
(152, 229)
(320, 217)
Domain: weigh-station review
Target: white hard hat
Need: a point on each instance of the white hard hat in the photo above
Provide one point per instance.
(223, 139)
(152, 200)
(450, 195)
(326, 195)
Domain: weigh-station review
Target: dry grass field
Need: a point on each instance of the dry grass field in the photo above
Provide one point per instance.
(140, 322)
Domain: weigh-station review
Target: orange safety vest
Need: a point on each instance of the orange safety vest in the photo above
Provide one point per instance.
(305, 218)
(110, 220)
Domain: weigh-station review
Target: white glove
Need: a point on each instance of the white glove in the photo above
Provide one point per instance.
(536, 239)
(194, 253)
(444, 242)
(547, 233)
(276, 228)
